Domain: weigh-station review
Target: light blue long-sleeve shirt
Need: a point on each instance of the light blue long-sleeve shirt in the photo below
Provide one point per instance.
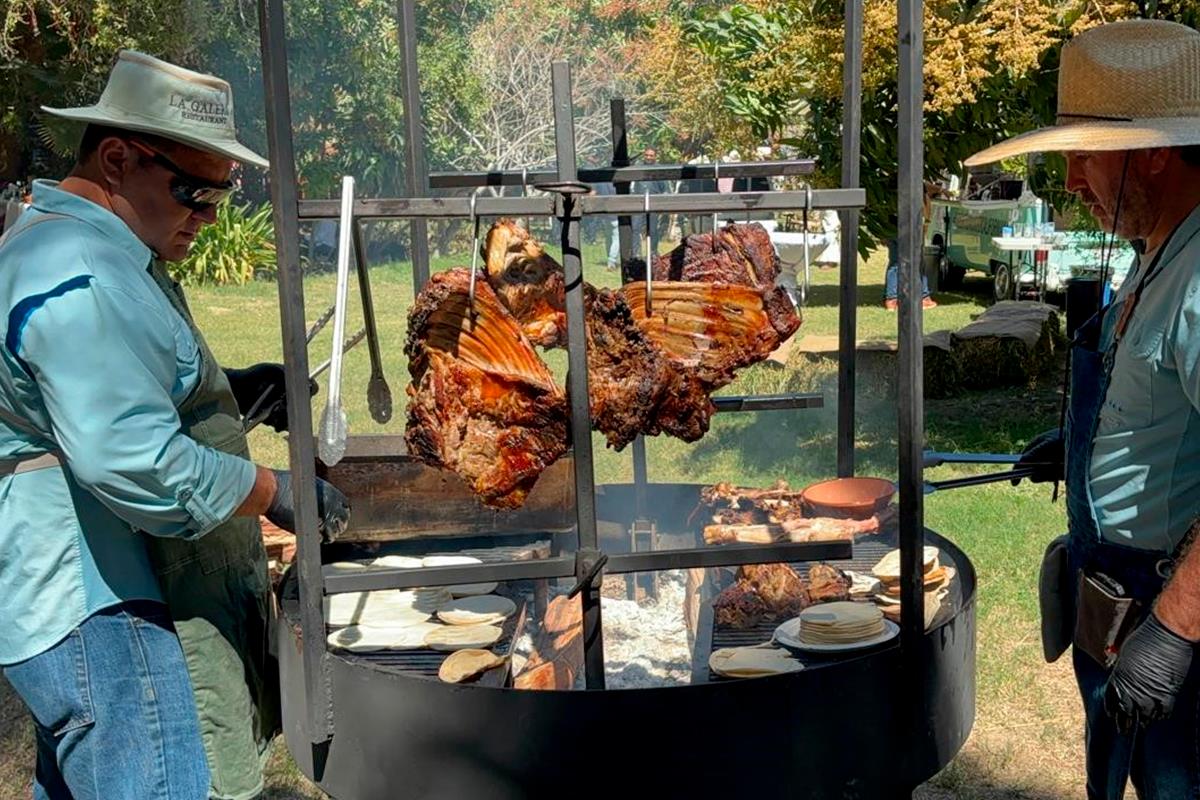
(96, 360)
(1145, 466)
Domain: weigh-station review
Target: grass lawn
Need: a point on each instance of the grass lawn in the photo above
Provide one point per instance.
(1027, 737)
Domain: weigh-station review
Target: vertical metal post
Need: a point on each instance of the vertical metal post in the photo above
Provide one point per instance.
(284, 205)
(416, 182)
(577, 375)
(848, 293)
(910, 400)
(620, 158)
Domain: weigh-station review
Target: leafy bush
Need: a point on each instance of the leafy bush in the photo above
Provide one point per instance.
(237, 248)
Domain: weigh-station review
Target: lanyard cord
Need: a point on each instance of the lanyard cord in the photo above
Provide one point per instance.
(1106, 259)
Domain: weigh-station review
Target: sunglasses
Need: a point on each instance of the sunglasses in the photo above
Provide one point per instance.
(190, 191)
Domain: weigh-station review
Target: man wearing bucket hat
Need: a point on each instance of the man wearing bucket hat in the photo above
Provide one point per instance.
(125, 479)
(1127, 593)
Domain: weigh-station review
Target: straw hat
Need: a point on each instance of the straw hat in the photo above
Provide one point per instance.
(1123, 86)
(147, 95)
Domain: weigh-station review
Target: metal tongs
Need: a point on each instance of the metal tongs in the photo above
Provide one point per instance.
(331, 443)
(935, 459)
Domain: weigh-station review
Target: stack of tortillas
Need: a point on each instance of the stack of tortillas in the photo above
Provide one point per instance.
(935, 574)
(936, 579)
(840, 623)
(484, 609)
(386, 608)
(752, 662)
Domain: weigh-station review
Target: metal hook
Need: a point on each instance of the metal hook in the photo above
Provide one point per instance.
(717, 181)
(807, 258)
(649, 271)
(525, 189)
(474, 257)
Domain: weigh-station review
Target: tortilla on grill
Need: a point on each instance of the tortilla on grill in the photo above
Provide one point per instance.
(386, 608)
(341, 567)
(466, 665)
(752, 662)
(483, 609)
(397, 562)
(462, 637)
(367, 639)
(461, 589)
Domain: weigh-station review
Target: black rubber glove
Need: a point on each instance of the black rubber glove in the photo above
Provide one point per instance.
(333, 509)
(1150, 671)
(1048, 450)
(249, 384)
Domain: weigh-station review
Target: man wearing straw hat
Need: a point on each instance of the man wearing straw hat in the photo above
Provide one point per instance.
(125, 480)
(1129, 124)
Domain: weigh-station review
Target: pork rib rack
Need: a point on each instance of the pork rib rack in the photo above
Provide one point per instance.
(481, 402)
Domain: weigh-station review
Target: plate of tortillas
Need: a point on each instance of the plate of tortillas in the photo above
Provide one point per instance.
(836, 627)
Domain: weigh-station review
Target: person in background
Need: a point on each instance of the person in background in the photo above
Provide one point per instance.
(136, 599)
(657, 221)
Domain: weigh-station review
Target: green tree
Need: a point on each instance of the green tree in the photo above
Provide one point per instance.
(990, 72)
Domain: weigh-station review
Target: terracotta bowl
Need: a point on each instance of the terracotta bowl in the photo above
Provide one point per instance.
(853, 498)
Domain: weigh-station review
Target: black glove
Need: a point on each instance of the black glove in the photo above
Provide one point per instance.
(1048, 451)
(250, 383)
(1150, 670)
(333, 509)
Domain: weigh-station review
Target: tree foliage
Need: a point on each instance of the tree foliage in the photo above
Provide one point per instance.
(773, 69)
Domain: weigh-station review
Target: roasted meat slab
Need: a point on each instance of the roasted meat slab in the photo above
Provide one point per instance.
(481, 402)
(738, 254)
(529, 282)
(485, 405)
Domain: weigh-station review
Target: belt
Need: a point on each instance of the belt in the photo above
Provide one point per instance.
(19, 464)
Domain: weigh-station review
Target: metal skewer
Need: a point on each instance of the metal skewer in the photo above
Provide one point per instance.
(649, 270)
(474, 258)
(331, 445)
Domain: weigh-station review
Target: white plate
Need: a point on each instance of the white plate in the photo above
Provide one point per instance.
(788, 635)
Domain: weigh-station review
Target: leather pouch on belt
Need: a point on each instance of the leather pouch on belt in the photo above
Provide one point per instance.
(1105, 617)
(1056, 599)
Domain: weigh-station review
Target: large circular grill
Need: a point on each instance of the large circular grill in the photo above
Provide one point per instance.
(835, 729)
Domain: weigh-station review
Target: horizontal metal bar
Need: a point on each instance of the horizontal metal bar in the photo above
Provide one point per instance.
(769, 402)
(699, 203)
(634, 172)
(933, 458)
(432, 207)
(364, 580)
(564, 566)
(727, 556)
(714, 202)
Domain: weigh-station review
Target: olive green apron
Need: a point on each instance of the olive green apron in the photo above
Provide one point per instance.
(219, 594)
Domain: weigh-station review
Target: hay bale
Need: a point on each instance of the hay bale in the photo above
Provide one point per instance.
(943, 370)
(1012, 343)
(943, 365)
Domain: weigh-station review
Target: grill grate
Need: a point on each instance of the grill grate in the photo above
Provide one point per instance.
(867, 552)
(423, 662)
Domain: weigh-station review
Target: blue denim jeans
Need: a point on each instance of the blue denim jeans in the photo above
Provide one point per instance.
(1161, 759)
(113, 711)
(892, 279)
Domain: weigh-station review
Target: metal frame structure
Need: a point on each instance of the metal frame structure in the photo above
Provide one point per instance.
(567, 202)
